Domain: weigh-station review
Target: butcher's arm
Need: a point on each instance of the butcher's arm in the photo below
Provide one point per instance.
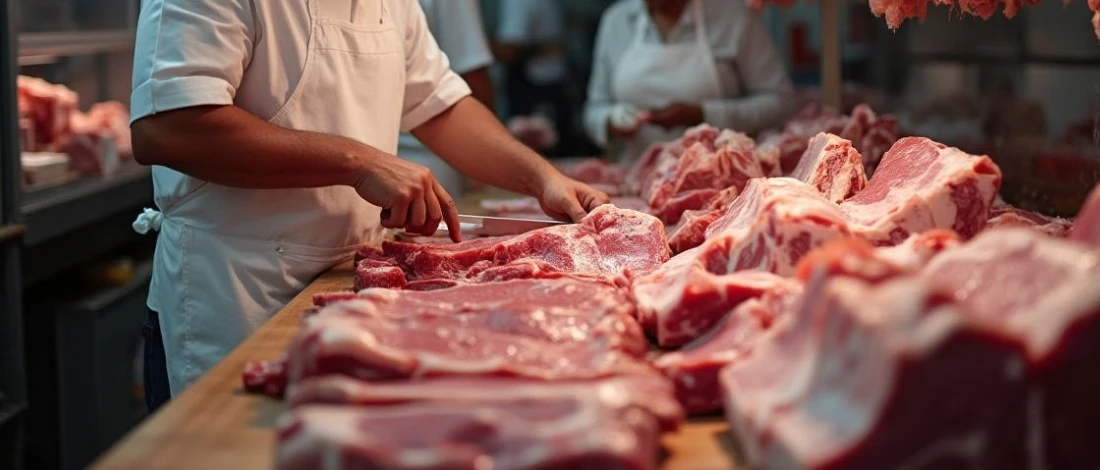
(229, 146)
(770, 97)
(471, 139)
(481, 86)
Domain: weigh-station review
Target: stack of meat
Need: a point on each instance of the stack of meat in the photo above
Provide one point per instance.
(516, 353)
(906, 320)
(51, 121)
(707, 167)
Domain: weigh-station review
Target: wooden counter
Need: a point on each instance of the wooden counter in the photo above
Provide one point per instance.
(215, 425)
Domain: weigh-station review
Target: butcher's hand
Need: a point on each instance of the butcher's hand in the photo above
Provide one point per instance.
(409, 196)
(567, 199)
(677, 115)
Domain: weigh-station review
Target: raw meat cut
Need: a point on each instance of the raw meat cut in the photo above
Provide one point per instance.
(871, 135)
(386, 348)
(770, 227)
(832, 166)
(552, 310)
(694, 368)
(1086, 228)
(855, 257)
(608, 241)
(1043, 293)
(374, 273)
(892, 375)
(693, 226)
(49, 107)
(575, 431)
(1008, 216)
(673, 209)
(650, 392)
(660, 160)
(730, 164)
(680, 304)
(266, 377)
(922, 185)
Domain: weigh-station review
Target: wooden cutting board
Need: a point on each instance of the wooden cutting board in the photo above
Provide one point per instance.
(215, 425)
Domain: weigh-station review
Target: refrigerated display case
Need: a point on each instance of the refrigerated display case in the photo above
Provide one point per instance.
(82, 334)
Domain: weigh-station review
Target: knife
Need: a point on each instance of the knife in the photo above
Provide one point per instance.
(498, 226)
(495, 226)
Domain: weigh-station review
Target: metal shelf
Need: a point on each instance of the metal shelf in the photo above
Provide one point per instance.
(52, 212)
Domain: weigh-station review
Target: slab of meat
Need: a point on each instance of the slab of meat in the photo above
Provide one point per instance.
(832, 166)
(386, 348)
(878, 376)
(923, 185)
(672, 210)
(650, 392)
(767, 229)
(1043, 292)
(681, 304)
(856, 257)
(373, 273)
(1086, 228)
(608, 241)
(694, 368)
(50, 109)
(693, 226)
(567, 431)
(660, 160)
(770, 227)
(730, 164)
(552, 310)
(266, 377)
(871, 135)
(1008, 216)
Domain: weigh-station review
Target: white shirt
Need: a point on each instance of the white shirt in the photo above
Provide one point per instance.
(456, 25)
(741, 46)
(251, 53)
(535, 23)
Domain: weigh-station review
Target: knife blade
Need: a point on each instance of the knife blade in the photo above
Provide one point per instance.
(498, 226)
(492, 226)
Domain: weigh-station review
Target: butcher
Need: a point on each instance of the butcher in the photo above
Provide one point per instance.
(272, 129)
(661, 66)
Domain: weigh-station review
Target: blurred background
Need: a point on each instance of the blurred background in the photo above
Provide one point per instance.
(1025, 91)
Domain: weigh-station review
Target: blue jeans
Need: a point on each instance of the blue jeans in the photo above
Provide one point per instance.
(155, 369)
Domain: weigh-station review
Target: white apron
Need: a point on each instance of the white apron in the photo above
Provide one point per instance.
(654, 75)
(227, 259)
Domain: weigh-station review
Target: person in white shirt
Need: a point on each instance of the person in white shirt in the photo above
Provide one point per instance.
(457, 27)
(272, 127)
(661, 66)
(529, 42)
